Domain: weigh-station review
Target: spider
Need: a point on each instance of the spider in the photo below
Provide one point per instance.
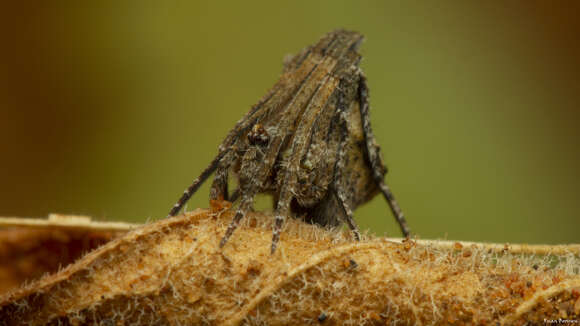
(308, 142)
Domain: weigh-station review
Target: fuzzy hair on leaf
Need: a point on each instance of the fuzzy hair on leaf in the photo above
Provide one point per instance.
(308, 142)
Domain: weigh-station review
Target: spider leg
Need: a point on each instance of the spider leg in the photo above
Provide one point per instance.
(219, 187)
(348, 216)
(245, 206)
(195, 185)
(374, 158)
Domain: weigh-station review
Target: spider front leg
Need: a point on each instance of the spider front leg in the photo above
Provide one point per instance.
(249, 186)
(245, 206)
(195, 185)
(374, 158)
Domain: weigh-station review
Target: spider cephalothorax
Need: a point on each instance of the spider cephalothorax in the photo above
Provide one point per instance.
(308, 142)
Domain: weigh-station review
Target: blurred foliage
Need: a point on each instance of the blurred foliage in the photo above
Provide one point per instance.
(111, 108)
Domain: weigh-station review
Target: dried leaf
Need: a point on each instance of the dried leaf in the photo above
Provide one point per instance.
(172, 272)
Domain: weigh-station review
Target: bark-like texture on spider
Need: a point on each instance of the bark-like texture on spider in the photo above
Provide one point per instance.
(172, 272)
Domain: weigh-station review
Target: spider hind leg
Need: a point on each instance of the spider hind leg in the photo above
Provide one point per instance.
(377, 166)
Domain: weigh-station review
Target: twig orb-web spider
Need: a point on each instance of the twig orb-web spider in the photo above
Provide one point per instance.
(308, 142)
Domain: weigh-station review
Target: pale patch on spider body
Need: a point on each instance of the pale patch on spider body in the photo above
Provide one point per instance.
(308, 142)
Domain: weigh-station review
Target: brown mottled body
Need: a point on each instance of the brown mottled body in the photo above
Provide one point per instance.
(308, 142)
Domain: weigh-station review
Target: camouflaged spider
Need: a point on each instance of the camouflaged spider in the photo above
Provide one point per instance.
(308, 142)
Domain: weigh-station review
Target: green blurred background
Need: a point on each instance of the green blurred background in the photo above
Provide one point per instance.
(110, 109)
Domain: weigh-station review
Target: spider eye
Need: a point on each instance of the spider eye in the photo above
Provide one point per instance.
(258, 136)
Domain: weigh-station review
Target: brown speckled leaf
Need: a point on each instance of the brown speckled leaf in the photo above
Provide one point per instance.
(172, 272)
